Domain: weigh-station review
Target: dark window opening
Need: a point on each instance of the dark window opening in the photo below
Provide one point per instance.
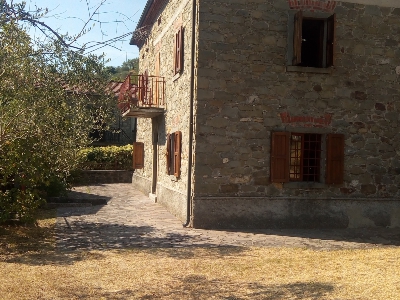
(313, 41)
(312, 47)
(305, 157)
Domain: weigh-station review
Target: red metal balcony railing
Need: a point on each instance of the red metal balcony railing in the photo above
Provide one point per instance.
(141, 91)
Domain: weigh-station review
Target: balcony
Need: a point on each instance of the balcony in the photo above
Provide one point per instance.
(142, 96)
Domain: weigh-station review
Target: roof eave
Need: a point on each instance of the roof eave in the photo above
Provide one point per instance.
(136, 40)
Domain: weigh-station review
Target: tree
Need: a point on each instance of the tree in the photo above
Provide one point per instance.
(50, 98)
(120, 73)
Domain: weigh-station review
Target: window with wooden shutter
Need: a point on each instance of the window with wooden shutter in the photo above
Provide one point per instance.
(299, 157)
(178, 51)
(177, 153)
(138, 155)
(173, 153)
(330, 43)
(168, 154)
(313, 40)
(335, 159)
(280, 157)
(297, 37)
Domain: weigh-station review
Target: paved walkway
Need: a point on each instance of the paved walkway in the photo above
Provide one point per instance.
(130, 219)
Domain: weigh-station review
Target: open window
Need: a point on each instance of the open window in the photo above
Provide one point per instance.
(298, 157)
(178, 51)
(173, 154)
(313, 40)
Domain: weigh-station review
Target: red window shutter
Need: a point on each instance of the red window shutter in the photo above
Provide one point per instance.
(297, 37)
(280, 157)
(178, 51)
(168, 154)
(138, 155)
(330, 41)
(177, 153)
(335, 159)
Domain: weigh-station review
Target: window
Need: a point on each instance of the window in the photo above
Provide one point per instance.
(313, 41)
(178, 51)
(138, 155)
(305, 157)
(298, 157)
(173, 154)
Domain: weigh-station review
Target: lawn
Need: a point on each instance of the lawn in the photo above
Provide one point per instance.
(30, 268)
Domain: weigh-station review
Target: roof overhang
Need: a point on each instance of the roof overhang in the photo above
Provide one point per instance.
(149, 16)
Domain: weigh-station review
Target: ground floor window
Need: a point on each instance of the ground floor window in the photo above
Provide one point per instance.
(173, 154)
(299, 157)
(305, 157)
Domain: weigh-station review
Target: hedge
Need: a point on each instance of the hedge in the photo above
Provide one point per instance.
(106, 158)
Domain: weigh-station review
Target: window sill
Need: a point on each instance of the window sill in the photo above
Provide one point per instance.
(173, 178)
(309, 70)
(176, 76)
(305, 185)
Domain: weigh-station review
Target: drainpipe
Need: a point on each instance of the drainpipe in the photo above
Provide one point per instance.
(189, 182)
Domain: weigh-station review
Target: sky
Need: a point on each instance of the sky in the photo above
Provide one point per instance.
(113, 18)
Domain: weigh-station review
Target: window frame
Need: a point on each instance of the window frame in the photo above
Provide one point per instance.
(331, 158)
(178, 51)
(295, 26)
(173, 153)
(304, 139)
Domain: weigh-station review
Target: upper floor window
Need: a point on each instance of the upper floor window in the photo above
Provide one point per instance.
(178, 51)
(313, 40)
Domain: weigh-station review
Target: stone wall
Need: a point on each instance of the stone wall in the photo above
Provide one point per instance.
(177, 105)
(246, 91)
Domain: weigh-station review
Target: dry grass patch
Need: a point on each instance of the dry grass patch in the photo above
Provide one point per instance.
(31, 238)
(198, 273)
(30, 268)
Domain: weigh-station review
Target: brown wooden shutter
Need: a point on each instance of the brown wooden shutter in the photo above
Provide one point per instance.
(177, 153)
(335, 159)
(168, 154)
(178, 51)
(330, 40)
(297, 37)
(138, 155)
(280, 157)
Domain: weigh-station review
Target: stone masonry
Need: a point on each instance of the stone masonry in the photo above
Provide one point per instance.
(170, 191)
(246, 88)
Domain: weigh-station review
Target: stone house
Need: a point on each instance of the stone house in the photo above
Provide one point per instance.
(272, 113)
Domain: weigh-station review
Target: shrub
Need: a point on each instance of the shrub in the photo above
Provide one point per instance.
(106, 158)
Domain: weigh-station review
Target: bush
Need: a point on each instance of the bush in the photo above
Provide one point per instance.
(106, 158)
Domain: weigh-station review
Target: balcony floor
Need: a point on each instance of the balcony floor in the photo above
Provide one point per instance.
(144, 112)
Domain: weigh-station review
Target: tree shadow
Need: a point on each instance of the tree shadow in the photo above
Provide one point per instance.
(362, 236)
(199, 287)
(74, 242)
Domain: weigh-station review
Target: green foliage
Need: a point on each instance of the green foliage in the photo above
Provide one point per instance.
(50, 98)
(120, 73)
(106, 158)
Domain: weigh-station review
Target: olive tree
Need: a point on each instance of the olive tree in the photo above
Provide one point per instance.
(51, 96)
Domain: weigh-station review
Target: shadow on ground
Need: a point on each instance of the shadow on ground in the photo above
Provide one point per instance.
(377, 236)
(199, 287)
